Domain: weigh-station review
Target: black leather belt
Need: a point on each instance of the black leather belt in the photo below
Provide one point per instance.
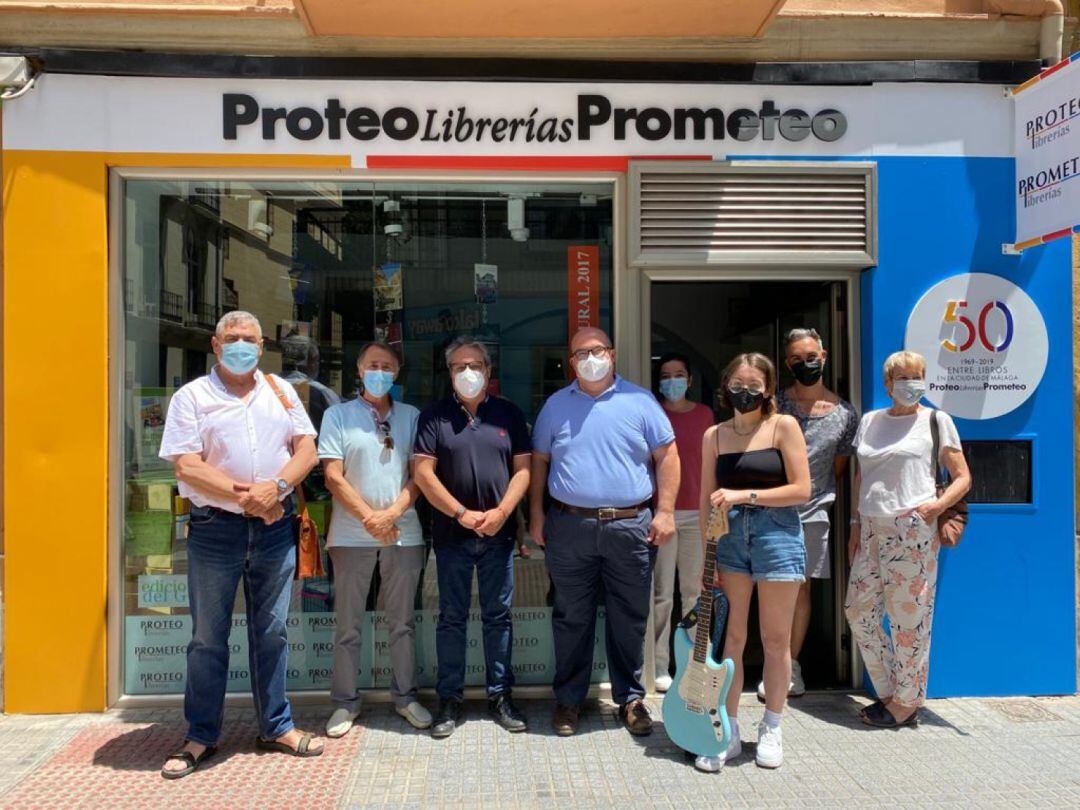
(603, 512)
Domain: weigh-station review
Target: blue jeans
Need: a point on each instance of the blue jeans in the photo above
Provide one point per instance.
(493, 559)
(765, 543)
(581, 554)
(223, 549)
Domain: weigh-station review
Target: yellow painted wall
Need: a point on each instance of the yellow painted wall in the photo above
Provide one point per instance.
(56, 442)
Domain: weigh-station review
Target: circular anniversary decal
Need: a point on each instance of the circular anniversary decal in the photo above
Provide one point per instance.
(985, 345)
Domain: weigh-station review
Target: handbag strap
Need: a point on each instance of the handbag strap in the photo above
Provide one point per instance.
(935, 452)
(288, 406)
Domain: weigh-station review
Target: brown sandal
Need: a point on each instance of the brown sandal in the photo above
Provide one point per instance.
(303, 748)
(193, 762)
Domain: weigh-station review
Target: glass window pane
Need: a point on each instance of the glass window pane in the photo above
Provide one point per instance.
(326, 267)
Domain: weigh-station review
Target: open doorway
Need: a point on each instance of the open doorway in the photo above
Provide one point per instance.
(712, 321)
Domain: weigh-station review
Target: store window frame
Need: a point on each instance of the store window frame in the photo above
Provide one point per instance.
(118, 177)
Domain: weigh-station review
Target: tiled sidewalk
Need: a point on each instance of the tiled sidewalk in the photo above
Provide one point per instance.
(966, 753)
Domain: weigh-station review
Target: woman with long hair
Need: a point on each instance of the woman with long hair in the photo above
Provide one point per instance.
(754, 466)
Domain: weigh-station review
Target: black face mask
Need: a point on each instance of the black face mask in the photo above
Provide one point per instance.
(745, 401)
(808, 373)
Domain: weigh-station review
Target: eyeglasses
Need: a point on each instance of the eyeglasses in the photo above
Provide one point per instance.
(751, 390)
(457, 368)
(595, 351)
(383, 430)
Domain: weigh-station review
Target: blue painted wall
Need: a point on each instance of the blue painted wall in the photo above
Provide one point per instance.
(1005, 621)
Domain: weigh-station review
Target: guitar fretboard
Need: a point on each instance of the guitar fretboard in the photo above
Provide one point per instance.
(716, 528)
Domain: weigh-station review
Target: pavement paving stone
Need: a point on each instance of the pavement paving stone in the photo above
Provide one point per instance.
(966, 753)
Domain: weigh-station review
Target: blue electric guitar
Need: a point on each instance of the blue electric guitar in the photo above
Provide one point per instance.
(695, 715)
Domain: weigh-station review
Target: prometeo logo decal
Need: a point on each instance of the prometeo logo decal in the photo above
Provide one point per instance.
(1045, 185)
(595, 115)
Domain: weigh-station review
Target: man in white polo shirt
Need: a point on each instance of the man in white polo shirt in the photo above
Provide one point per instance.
(366, 446)
(238, 453)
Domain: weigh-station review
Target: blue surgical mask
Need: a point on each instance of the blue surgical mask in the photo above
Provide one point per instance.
(674, 388)
(240, 357)
(378, 383)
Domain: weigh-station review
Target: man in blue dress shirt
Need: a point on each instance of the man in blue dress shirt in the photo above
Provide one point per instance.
(604, 448)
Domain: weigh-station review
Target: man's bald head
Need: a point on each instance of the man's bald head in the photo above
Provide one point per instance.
(587, 337)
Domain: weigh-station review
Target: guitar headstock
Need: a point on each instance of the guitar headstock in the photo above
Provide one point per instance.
(718, 525)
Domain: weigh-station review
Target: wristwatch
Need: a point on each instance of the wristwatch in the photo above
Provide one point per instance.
(753, 499)
(282, 486)
(460, 511)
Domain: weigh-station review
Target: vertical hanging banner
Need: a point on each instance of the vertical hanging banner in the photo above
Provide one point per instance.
(1047, 143)
(389, 294)
(583, 276)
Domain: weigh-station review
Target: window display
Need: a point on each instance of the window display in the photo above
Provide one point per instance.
(327, 266)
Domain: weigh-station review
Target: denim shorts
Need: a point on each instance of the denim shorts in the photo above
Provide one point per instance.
(765, 543)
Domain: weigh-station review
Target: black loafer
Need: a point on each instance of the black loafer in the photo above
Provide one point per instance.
(506, 714)
(880, 717)
(446, 718)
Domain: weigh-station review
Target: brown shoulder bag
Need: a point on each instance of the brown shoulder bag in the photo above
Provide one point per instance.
(308, 557)
(952, 522)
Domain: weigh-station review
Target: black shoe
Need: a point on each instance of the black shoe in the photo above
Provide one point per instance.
(506, 714)
(446, 718)
(880, 717)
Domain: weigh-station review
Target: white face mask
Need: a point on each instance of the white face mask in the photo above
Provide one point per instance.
(908, 392)
(594, 369)
(469, 383)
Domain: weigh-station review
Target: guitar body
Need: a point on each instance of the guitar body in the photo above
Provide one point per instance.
(694, 710)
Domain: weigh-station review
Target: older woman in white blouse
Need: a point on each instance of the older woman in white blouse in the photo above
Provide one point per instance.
(894, 546)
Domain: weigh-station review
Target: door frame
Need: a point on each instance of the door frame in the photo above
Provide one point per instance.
(633, 330)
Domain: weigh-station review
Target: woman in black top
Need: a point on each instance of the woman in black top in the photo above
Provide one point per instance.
(755, 467)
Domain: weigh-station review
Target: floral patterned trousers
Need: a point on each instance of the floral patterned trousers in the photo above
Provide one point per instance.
(895, 572)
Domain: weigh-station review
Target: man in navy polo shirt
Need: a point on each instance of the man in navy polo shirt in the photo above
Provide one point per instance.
(472, 464)
(600, 444)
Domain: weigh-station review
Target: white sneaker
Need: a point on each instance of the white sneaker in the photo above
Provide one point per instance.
(663, 683)
(417, 715)
(340, 722)
(770, 746)
(798, 685)
(713, 764)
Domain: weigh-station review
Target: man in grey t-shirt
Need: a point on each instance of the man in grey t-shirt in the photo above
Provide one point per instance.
(829, 424)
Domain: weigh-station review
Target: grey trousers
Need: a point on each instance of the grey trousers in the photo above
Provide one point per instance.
(684, 552)
(399, 568)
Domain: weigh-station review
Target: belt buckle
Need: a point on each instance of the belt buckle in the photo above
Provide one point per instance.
(606, 513)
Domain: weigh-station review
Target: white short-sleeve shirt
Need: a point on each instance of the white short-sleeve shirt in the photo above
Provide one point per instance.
(249, 441)
(894, 460)
(376, 472)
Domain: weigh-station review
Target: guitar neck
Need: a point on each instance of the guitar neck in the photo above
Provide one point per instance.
(704, 622)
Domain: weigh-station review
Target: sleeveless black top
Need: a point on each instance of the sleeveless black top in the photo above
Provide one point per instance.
(751, 469)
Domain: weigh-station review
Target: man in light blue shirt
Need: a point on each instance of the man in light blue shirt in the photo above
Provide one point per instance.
(366, 449)
(604, 447)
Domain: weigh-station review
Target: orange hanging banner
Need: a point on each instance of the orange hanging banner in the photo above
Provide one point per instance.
(583, 302)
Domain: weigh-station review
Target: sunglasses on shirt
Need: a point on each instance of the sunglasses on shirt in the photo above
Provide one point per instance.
(383, 429)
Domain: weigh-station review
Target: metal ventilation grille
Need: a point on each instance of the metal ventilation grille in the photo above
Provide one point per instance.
(708, 213)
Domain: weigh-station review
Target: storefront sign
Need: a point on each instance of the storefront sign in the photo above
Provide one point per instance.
(1047, 137)
(375, 123)
(985, 345)
(330, 118)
